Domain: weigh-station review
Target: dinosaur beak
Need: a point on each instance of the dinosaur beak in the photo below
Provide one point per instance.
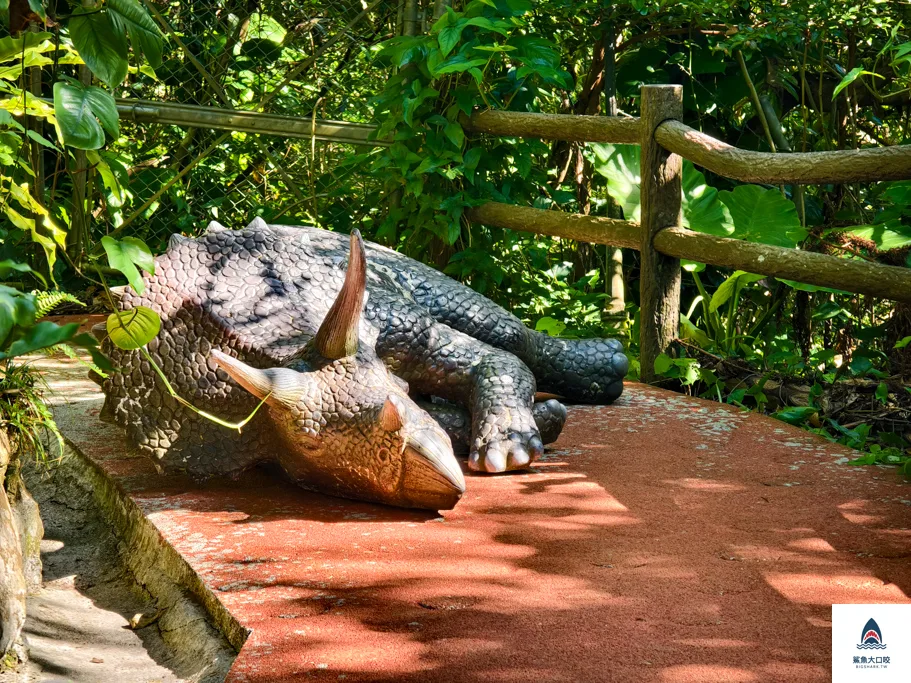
(432, 479)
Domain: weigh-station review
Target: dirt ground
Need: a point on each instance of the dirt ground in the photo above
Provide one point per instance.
(78, 623)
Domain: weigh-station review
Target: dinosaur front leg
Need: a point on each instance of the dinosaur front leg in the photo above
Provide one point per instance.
(549, 416)
(497, 388)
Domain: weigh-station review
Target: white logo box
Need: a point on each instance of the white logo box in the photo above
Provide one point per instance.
(885, 657)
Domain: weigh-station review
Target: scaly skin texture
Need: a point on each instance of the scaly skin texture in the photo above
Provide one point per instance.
(260, 295)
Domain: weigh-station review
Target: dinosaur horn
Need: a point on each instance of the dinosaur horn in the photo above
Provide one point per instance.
(337, 336)
(280, 384)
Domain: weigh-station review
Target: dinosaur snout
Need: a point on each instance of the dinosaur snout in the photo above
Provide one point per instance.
(432, 477)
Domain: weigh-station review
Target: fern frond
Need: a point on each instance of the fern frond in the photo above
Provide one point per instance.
(70, 352)
(48, 301)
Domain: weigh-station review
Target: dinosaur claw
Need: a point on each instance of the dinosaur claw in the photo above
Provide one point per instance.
(535, 448)
(495, 459)
(518, 457)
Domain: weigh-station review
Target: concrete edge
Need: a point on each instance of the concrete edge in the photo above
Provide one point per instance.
(186, 603)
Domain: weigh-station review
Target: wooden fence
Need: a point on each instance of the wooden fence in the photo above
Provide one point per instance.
(660, 237)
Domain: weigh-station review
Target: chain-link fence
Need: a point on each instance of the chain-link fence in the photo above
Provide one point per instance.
(310, 60)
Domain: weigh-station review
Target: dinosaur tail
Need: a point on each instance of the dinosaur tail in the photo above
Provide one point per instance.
(580, 370)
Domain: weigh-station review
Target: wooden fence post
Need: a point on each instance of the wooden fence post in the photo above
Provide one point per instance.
(660, 188)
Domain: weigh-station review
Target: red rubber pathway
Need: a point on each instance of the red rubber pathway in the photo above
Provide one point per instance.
(663, 539)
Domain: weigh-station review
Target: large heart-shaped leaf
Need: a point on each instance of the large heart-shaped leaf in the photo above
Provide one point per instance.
(84, 113)
(100, 43)
(130, 16)
(619, 164)
(763, 215)
(702, 210)
(134, 328)
(125, 255)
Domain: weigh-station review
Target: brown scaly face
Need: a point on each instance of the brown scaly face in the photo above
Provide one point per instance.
(345, 425)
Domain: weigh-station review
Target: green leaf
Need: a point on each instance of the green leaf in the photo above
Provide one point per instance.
(803, 287)
(131, 17)
(100, 43)
(690, 332)
(124, 255)
(763, 215)
(9, 265)
(663, 363)
(6, 119)
(550, 326)
(455, 134)
(449, 37)
(82, 112)
(497, 26)
(494, 48)
(40, 336)
(902, 343)
(457, 64)
(38, 8)
(702, 209)
(90, 344)
(110, 181)
(264, 26)
(16, 48)
(850, 77)
(882, 392)
(40, 139)
(134, 328)
(795, 415)
(729, 287)
(886, 236)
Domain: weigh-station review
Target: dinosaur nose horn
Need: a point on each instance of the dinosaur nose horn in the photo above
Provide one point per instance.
(279, 384)
(337, 336)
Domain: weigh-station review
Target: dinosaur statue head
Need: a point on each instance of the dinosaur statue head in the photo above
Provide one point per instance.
(344, 423)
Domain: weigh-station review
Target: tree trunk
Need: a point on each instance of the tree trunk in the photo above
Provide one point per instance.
(21, 532)
(12, 578)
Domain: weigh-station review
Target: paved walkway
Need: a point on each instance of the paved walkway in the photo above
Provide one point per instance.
(664, 538)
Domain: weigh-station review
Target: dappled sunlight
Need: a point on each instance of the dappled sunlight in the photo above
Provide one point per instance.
(715, 642)
(813, 545)
(817, 589)
(707, 673)
(854, 512)
(708, 485)
(866, 520)
(779, 554)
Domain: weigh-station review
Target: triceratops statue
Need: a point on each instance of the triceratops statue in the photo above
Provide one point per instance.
(275, 311)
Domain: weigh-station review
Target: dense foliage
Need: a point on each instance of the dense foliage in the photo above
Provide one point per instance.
(783, 77)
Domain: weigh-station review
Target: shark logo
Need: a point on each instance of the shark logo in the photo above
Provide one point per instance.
(872, 637)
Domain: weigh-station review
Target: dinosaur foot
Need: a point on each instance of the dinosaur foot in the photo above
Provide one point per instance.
(516, 452)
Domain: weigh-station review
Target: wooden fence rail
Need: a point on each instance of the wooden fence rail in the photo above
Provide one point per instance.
(875, 279)
(247, 121)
